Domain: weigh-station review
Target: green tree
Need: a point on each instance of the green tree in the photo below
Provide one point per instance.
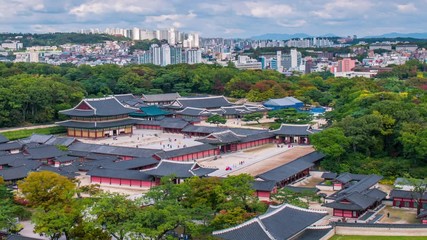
(253, 117)
(419, 190)
(290, 115)
(300, 199)
(58, 220)
(114, 213)
(332, 142)
(216, 119)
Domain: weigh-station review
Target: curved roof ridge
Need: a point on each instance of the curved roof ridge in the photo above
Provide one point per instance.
(320, 227)
(261, 224)
(117, 100)
(250, 221)
(192, 98)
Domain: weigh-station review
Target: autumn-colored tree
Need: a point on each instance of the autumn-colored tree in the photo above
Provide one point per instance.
(44, 189)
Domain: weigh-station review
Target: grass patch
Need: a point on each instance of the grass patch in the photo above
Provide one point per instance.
(23, 133)
(341, 237)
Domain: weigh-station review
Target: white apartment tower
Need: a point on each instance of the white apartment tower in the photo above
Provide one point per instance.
(172, 36)
(279, 61)
(165, 55)
(156, 54)
(136, 34)
(294, 59)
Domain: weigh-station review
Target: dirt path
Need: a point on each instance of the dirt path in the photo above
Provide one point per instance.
(26, 128)
(275, 161)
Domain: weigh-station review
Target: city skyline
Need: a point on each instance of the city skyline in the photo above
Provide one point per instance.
(218, 19)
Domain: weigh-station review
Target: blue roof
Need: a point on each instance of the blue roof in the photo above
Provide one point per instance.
(286, 101)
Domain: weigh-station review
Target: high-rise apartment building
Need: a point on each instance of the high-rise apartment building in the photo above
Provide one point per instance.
(136, 34)
(176, 55)
(165, 55)
(193, 56)
(156, 54)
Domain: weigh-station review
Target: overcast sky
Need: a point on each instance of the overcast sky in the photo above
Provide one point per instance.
(222, 18)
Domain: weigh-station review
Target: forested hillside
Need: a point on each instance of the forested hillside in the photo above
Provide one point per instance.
(56, 39)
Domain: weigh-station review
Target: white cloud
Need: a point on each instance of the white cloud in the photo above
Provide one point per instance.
(339, 9)
(292, 24)
(232, 31)
(171, 20)
(123, 6)
(406, 8)
(263, 9)
(162, 18)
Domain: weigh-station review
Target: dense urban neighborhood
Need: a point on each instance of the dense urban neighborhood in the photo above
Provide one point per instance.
(138, 134)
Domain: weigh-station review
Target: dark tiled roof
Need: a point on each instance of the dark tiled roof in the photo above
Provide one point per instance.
(47, 151)
(97, 125)
(202, 102)
(70, 168)
(3, 139)
(287, 170)
(175, 123)
(112, 150)
(19, 237)
(10, 146)
(361, 186)
(178, 169)
(293, 130)
(30, 164)
(358, 201)
(266, 186)
(165, 97)
(315, 233)
(63, 141)
(396, 193)
(189, 111)
(209, 130)
(284, 222)
(376, 193)
(15, 173)
(251, 230)
(37, 138)
(7, 159)
(224, 137)
(183, 151)
(66, 158)
(348, 177)
(329, 175)
(203, 172)
(58, 171)
(422, 214)
(132, 164)
(122, 174)
(108, 106)
(257, 136)
(129, 100)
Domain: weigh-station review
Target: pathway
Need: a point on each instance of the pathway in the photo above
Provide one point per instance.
(256, 162)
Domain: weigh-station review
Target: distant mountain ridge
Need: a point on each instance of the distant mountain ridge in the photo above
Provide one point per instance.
(400, 35)
(285, 36)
